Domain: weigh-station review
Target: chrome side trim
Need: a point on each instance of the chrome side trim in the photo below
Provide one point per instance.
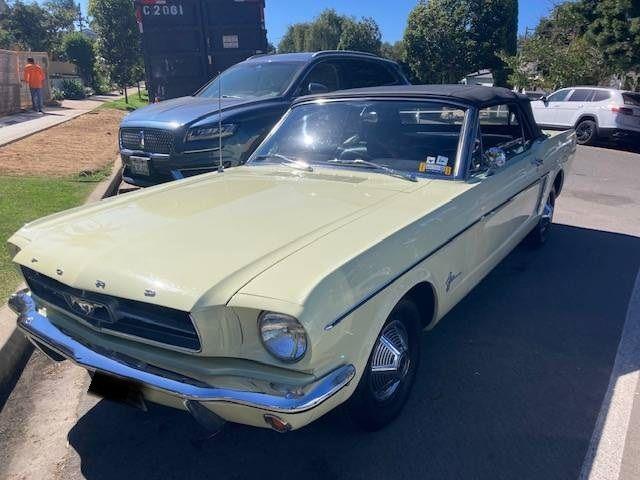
(344, 315)
(157, 156)
(202, 150)
(281, 398)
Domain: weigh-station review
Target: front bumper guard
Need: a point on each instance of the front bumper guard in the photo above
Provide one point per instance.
(288, 400)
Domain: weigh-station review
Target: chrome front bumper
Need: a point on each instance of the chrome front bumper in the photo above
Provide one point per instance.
(289, 400)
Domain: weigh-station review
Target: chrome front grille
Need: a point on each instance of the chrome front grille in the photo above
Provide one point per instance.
(119, 315)
(151, 140)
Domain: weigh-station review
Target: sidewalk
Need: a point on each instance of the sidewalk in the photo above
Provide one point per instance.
(20, 125)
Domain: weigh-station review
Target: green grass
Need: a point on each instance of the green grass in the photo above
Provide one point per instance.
(23, 199)
(93, 176)
(134, 102)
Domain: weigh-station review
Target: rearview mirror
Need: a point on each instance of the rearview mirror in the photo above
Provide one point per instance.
(314, 88)
(495, 158)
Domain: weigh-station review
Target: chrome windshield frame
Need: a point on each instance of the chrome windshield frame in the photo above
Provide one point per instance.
(464, 142)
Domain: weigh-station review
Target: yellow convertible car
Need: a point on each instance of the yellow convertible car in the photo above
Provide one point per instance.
(270, 293)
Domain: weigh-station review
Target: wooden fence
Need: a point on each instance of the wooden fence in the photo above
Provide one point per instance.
(14, 94)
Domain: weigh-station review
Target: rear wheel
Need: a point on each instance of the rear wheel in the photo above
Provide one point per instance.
(539, 234)
(586, 132)
(390, 372)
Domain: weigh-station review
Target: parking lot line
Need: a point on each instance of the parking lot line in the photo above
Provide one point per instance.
(607, 447)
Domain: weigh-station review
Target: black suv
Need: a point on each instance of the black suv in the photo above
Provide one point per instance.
(180, 137)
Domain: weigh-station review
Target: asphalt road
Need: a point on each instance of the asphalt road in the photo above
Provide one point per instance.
(510, 386)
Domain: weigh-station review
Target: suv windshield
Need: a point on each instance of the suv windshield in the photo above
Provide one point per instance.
(406, 136)
(252, 80)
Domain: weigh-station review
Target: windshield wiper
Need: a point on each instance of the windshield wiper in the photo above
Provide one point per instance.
(297, 164)
(358, 162)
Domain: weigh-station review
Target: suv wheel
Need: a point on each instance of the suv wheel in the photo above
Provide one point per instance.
(390, 372)
(586, 132)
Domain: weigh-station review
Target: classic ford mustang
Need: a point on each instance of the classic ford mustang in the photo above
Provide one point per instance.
(270, 293)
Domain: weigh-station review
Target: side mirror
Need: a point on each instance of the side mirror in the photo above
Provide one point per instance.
(495, 158)
(544, 99)
(314, 88)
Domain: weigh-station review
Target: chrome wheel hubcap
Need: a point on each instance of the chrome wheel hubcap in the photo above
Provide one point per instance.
(390, 362)
(547, 214)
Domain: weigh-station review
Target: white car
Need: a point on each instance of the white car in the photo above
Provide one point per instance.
(594, 112)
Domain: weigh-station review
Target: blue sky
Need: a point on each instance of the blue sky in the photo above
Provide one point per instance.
(391, 15)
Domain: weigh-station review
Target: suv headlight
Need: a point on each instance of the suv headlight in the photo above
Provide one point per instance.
(282, 336)
(211, 132)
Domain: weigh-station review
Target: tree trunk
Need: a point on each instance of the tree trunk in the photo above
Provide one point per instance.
(126, 97)
(139, 92)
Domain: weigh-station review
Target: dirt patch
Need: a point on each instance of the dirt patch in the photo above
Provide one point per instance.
(85, 144)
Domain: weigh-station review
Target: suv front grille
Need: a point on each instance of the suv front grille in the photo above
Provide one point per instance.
(152, 140)
(106, 313)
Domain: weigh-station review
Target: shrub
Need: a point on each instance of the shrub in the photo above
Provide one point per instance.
(72, 89)
(57, 94)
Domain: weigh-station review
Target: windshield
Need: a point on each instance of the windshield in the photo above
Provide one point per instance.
(414, 137)
(252, 80)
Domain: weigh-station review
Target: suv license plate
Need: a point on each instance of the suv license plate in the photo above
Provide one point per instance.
(139, 165)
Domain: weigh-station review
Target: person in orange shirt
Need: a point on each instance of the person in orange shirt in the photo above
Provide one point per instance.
(34, 76)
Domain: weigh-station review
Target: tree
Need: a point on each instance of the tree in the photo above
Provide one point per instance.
(616, 31)
(437, 41)
(7, 40)
(493, 29)
(325, 31)
(332, 31)
(79, 50)
(27, 24)
(363, 36)
(393, 51)
(571, 45)
(295, 39)
(32, 27)
(118, 39)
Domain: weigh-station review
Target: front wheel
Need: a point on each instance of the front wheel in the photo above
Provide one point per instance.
(390, 372)
(586, 132)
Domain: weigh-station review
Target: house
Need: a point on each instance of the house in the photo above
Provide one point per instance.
(481, 77)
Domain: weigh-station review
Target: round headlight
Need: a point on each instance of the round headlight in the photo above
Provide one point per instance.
(282, 336)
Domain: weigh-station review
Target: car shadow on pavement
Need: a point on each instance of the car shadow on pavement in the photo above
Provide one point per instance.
(510, 386)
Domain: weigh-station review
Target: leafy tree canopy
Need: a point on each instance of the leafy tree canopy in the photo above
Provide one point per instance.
(446, 39)
(32, 26)
(332, 31)
(586, 42)
(118, 39)
(79, 49)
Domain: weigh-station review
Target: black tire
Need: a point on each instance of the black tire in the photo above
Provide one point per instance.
(372, 406)
(538, 236)
(586, 132)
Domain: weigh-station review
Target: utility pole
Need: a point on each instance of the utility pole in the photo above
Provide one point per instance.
(81, 20)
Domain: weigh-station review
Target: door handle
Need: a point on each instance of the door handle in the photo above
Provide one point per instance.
(538, 162)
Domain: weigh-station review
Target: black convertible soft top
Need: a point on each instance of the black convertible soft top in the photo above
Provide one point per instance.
(472, 95)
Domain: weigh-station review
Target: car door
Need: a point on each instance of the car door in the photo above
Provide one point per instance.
(568, 112)
(507, 197)
(545, 112)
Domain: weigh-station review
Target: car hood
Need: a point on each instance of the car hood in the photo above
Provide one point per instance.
(203, 237)
(180, 111)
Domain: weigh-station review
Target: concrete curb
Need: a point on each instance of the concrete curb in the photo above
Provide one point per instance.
(15, 350)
